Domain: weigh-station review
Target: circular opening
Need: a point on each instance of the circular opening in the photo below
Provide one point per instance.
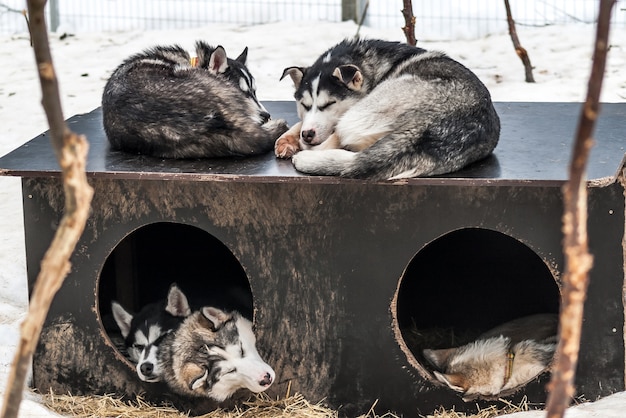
(141, 268)
(464, 284)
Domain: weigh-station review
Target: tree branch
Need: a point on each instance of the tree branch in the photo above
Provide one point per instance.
(409, 23)
(519, 50)
(578, 259)
(71, 152)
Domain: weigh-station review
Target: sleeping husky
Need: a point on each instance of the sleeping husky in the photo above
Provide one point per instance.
(384, 110)
(144, 331)
(164, 104)
(213, 354)
(500, 360)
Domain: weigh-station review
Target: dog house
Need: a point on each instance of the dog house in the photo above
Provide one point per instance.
(347, 280)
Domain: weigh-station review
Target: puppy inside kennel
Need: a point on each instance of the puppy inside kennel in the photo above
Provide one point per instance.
(143, 266)
(457, 289)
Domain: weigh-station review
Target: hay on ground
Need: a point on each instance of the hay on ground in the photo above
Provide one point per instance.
(261, 406)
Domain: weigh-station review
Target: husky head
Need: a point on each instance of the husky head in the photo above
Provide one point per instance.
(144, 331)
(491, 367)
(324, 92)
(234, 71)
(213, 354)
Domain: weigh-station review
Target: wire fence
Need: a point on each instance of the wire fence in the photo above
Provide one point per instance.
(435, 19)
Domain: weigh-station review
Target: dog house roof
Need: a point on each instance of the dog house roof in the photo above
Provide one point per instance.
(534, 149)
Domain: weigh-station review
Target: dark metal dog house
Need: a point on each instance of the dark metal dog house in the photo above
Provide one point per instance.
(341, 274)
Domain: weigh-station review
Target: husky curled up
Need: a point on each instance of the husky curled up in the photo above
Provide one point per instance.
(385, 110)
(500, 360)
(144, 331)
(213, 354)
(162, 103)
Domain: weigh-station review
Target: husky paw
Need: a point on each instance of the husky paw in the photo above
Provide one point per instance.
(332, 162)
(286, 146)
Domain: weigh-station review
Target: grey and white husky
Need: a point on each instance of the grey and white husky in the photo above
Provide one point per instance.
(143, 332)
(213, 354)
(385, 110)
(500, 360)
(163, 103)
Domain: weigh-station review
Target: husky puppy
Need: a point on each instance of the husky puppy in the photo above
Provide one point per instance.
(500, 360)
(213, 354)
(162, 103)
(144, 331)
(379, 110)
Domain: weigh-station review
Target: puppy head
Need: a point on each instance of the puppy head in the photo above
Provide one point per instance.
(215, 355)
(323, 94)
(475, 369)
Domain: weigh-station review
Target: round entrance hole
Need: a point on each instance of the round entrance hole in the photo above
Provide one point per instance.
(465, 283)
(141, 268)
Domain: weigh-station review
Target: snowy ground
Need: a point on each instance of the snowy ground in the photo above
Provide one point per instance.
(561, 56)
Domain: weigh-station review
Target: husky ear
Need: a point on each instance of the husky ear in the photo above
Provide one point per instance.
(122, 317)
(439, 358)
(350, 75)
(194, 375)
(177, 304)
(215, 317)
(243, 56)
(218, 62)
(296, 74)
(454, 381)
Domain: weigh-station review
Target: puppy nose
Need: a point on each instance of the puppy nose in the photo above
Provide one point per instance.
(265, 116)
(308, 135)
(267, 380)
(146, 368)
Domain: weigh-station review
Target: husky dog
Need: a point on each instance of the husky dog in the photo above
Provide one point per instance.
(500, 360)
(162, 103)
(384, 110)
(144, 331)
(213, 354)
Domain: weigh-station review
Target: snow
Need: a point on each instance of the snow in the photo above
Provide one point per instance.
(561, 56)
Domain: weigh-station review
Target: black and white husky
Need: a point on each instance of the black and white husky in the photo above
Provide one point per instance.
(213, 354)
(501, 360)
(144, 331)
(163, 103)
(385, 110)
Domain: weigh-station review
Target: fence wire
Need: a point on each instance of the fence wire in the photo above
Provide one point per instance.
(435, 19)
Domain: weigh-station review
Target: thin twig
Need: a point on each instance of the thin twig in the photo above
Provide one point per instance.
(577, 257)
(519, 50)
(409, 23)
(10, 9)
(363, 16)
(71, 152)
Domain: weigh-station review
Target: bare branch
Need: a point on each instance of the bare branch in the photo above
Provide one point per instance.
(10, 9)
(519, 50)
(409, 23)
(71, 152)
(578, 259)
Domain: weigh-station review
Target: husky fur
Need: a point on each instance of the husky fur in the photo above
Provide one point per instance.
(213, 354)
(144, 331)
(156, 103)
(499, 361)
(384, 110)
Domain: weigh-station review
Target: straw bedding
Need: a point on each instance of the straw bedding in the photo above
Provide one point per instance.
(260, 406)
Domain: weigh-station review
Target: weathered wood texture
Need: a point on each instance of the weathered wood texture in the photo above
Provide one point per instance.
(324, 263)
(339, 271)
